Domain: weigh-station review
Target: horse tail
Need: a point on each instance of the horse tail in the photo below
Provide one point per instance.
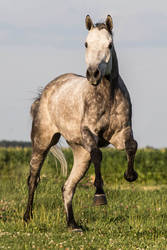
(57, 152)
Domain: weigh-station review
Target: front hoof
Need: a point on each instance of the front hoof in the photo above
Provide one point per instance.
(131, 177)
(75, 228)
(99, 199)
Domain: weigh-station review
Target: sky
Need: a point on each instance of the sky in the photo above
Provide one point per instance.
(40, 40)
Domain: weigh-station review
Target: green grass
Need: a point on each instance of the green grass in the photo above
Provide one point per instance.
(134, 218)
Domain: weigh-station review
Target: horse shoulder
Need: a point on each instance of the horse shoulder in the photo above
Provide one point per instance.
(120, 116)
(122, 104)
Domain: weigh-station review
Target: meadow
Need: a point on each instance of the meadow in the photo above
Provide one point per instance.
(134, 218)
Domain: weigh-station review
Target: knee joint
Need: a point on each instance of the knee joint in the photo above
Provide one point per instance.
(131, 147)
(33, 179)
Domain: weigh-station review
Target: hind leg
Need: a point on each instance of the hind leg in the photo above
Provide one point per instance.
(36, 162)
(80, 166)
(39, 152)
(131, 148)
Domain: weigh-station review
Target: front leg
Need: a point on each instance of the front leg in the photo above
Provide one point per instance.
(131, 148)
(124, 140)
(90, 143)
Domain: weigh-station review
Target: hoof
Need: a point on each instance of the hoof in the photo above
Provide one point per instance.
(131, 177)
(27, 217)
(100, 199)
(75, 228)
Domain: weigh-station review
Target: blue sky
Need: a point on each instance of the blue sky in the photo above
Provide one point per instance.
(40, 40)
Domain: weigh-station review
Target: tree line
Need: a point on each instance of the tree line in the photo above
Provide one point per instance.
(22, 144)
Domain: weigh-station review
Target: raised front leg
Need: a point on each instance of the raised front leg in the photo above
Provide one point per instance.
(80, 166)
(123, 139)
(131, 148)
(90, 142)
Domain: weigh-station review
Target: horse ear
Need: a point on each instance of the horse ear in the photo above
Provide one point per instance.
(109, 23)
(88, 22)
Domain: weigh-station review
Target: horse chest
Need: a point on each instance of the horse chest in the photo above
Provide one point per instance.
(96, 111)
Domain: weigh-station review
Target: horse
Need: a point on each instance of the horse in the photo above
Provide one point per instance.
(89, 112)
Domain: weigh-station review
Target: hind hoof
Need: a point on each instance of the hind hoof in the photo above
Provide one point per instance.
(132, 177)
(100, 199)
(26, 218)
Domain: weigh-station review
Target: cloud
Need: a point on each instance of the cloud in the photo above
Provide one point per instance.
(136, 23)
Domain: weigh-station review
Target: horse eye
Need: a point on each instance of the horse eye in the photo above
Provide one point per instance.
(110, 46)
(86, 44)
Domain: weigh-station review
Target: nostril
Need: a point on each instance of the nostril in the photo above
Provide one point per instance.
(96, 73)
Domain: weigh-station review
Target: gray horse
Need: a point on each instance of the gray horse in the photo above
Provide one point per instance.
(89, 112)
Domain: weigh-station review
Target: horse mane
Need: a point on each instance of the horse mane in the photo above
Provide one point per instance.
(101, 26)
(115, 68)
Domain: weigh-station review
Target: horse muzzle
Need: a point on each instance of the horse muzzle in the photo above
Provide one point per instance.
(93, 75)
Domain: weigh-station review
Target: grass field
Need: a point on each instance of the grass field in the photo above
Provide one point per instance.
(134, 218)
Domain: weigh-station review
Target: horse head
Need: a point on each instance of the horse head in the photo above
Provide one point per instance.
(99, 49)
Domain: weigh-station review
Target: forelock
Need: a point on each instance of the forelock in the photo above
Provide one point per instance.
(101, 26)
